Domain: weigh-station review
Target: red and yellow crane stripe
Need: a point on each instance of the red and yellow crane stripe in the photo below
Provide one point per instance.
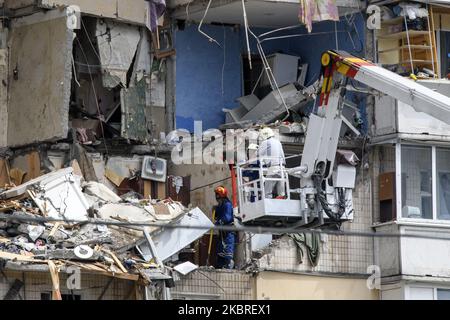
(345, 64)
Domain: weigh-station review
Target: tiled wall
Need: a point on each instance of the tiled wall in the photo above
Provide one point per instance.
(347, 254)
(213, 284)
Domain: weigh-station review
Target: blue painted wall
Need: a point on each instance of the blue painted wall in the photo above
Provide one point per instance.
(199, 94)
(322, 38)
(199, 66)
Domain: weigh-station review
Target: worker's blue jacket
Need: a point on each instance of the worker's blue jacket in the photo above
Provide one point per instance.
(224, 216)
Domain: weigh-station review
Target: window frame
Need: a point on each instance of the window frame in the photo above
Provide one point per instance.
(398, 184)
(435, 289)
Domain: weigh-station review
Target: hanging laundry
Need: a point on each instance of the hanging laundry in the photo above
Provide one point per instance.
(155, 10)
(317, 10)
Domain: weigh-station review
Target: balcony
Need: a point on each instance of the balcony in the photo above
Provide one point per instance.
(396, 120)
(413, 256)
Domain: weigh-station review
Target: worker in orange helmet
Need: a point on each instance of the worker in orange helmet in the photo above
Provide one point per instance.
(227, 239)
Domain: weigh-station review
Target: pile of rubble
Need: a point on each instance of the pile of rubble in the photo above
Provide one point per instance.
(61, 220)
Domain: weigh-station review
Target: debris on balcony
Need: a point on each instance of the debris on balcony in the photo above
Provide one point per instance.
(59, 220)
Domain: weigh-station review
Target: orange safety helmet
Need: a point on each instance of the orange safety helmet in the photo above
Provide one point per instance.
(221, 191)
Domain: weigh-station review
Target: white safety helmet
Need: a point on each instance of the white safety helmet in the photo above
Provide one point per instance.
(253, 146)
(266, 133)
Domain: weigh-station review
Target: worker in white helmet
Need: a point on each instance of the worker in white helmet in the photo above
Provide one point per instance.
(252, 173)
(252, 152)
(271, 154)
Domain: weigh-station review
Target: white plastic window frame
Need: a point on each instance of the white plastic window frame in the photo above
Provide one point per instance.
(398, 186)
(407, 293)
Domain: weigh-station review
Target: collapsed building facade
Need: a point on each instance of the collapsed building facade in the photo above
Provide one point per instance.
(100, 87)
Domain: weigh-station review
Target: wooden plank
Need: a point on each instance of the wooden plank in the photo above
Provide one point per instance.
(54, 273)
(30, 164)
(116, 260)
(4, 240)
(34, 165)
(4, 174)
(403, 34)
(54, 229)
(184, 194)
(114, 177)
(76, 168)
(17, 176)
(18, 257)
(161, 190)
(147, 189)
(97, 270)
(436, 65)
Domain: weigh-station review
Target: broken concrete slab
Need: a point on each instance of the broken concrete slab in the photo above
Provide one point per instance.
(88, 235)
(125, 212)
(124, 10)
(171, 240)
(166, 210)
(100, 191)
(19, 190)
(57, 194)
(42, 113)
(33, 232)
(271, 107)
(185, 268)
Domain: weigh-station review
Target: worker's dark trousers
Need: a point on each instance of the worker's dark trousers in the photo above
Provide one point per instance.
(225, 250)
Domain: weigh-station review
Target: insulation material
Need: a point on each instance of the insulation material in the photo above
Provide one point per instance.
(117, 44)
(143, 58)
(158, 84)
(134, 115)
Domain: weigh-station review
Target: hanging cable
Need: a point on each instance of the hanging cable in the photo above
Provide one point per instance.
(246, 34)
(270, 75)
(235, 228)
(95, 95)
(201, 23)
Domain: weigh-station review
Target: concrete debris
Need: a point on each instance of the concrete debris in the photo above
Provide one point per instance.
(173, 240)
(270, 108)
(185, 268)
(100, 191)
(97, 230)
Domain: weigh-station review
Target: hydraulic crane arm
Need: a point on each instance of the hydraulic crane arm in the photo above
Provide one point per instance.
(421, 98)
(325, 193)
(324, 127)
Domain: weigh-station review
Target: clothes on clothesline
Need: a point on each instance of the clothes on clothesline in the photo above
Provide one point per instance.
(317, 10)
(156, 9)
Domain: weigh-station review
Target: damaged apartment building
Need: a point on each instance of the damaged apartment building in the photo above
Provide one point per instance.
(83, 104)
(95, 95)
